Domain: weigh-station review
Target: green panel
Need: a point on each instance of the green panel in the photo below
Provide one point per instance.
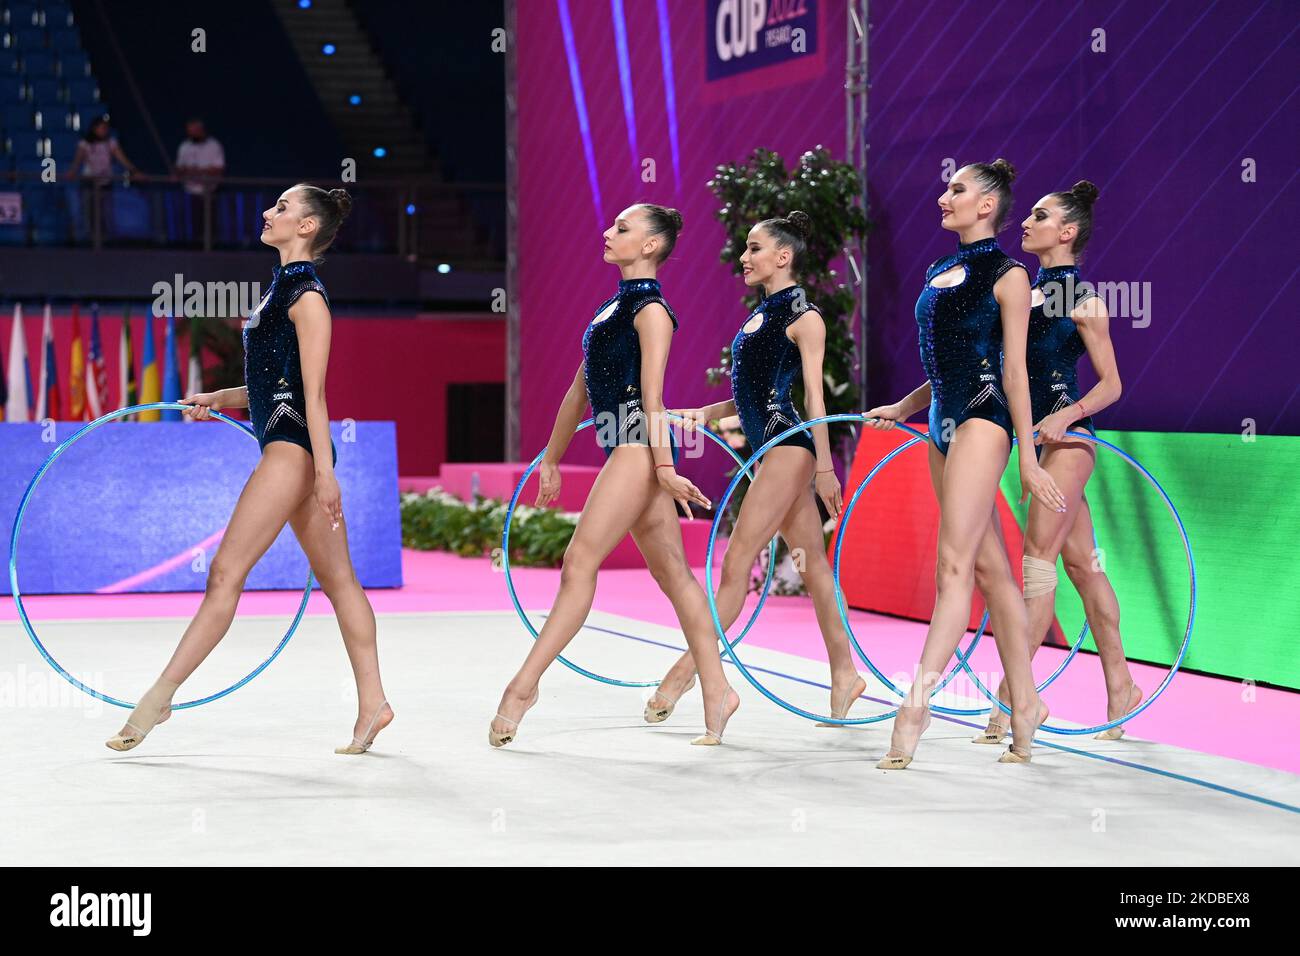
(1238, 502)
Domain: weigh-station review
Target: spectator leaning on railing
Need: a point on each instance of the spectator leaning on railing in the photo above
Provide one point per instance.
(96, 152)
(200, 160)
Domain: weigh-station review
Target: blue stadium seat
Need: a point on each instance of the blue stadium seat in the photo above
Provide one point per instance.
(8, 62)
(82, 90)
(88, 113)
(79, 117)
(44, 209)
(29, 38)
(57, 14)
(11, 89)
(45, 91)
(63, 143)
(24, 142)
(72, 64)
(38, 63)
(19, 14)
(28, 164)
(17, 117)
(64, 39)
(61, 118)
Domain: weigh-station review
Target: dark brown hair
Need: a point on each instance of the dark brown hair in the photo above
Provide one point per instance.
(664, 221)
(791, 233)
(1076, 207)
(996, 177)
(329, 208)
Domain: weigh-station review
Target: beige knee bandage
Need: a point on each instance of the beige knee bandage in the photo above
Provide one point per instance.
(1040, 576)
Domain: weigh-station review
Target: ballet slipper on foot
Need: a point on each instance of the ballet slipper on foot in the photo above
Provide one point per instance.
(897, 758)
(859, 687)
(361, 744)
(154, 708)
(1016, 754)
(655, 715)
(1115, 733)
(711, 738)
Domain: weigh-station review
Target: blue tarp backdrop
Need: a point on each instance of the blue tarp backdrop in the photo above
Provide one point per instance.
(140, 506)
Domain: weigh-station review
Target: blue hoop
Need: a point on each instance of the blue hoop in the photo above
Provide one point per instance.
(713, 604)
(962, 657)
(13, 562)
(510, 584)
(1191, 610)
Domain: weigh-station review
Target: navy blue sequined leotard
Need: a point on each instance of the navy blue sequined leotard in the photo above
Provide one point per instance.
(960, 330)
(1054, 344)
(765, 364)
(611, 352)
(277, 407)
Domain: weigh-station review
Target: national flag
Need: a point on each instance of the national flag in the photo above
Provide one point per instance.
(126, 356)
(96, 371)
(77, 371)
(195, 375)
(150, 385)
(171, 387)
(4, 388)
(47, 400)
(18, 403)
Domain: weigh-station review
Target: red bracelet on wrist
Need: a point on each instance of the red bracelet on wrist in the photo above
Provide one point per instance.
(825, 470)
(670, 465)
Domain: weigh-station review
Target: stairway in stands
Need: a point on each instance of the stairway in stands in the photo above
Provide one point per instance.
(48, 97)
(446, 230)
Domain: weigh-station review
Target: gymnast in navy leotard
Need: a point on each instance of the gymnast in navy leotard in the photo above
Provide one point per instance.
(286, 343)
(765, 366)
(625, 352)
(960, 332)
(277, 407)
(1054, 345)
(780, 344)
(1067, 319)
(611, 352)
(972, 318)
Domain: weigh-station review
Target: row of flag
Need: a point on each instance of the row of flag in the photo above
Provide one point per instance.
(88, 395)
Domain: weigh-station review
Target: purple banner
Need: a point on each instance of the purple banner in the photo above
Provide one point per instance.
(743, 35)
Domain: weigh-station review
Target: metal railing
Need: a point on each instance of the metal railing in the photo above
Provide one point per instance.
(415, 219)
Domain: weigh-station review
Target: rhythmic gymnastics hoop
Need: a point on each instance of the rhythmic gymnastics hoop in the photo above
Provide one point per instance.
(962, 657)
(729, 645)
(510, 584)
(1191, 610)
(13, 561)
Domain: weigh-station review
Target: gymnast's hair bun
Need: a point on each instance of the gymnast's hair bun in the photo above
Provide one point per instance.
(1003, 170)
(342, 202)
(800, 222)
(1085, 192)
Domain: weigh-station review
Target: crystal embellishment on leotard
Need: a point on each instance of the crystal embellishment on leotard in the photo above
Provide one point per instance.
(959, 331)
(611, 349)
(272, 366)
(1053, 345)
(765, 367)
(284, 410)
